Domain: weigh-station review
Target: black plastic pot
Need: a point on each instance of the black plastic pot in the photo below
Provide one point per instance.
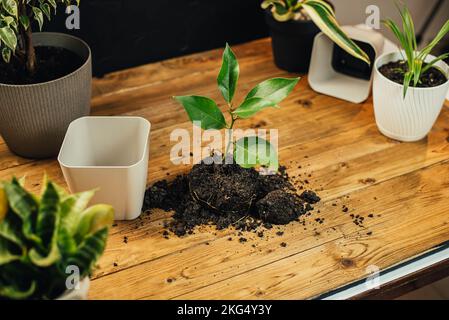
(292, 43)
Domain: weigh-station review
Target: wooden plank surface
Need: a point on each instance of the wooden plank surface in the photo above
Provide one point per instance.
(401, 190)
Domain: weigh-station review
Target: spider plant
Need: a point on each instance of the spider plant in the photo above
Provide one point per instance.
(415, 59)
(322, 14)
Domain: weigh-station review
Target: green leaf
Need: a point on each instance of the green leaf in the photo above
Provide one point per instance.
(274, 90)
(45, 7)
(229, 74)
(89, 251)
(6, 252)
(45, 260)
(24, 205)
(318, 11)
(15, 293)
(6, 54)
(39, 17)
(12, 239)
(25, 22)
(429, 65)
(71, 208)
(407, 79)
(93, 219)
(8, 36)
(10, 7)
(203, 110)
(48, 214)
(251, 106)
(253, 151)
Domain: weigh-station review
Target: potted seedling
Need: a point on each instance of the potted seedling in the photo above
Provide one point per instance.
(410, 86)
(45, 78)
(49, 243)
(205, 112)
(248, 151)
(293, 27)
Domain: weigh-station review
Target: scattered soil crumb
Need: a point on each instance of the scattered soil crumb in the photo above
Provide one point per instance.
(368, 181)
(304, 103)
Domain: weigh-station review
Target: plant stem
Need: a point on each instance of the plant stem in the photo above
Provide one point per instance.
(27, 39)
(30, 52)
(233, 119)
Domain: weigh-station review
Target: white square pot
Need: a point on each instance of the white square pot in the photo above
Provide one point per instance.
(109, 154)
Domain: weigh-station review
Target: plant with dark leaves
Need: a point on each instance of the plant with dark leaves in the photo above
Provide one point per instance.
(42, 235)
(16, 18)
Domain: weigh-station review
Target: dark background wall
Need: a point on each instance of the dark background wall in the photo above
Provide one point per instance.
(126, 33)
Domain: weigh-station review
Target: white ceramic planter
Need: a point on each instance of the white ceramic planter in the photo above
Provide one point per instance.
(77, 294)
(110, 154)
(412, 118)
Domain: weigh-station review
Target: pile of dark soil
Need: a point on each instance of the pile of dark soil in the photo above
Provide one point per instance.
(228, 195)
(395, 71)
(51, 63)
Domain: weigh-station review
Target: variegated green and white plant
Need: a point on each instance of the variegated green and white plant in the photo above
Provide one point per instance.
(414, 57)
(322, 14)
(42, 235)
(16, 19)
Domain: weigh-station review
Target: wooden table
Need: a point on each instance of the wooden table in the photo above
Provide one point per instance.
(404, 186)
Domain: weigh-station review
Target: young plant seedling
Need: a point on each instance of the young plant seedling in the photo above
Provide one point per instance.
(416, 60)
(207, 114)
(16, 17)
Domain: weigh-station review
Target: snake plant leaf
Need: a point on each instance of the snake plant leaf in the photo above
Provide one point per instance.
(274, 90)
(45, 260)
(71, 208)
(252, 106)
(48, 214)
(25, 206)
(89, 251)
(203, 110)
(95, 218)
(15, 293)
(252, 151)
(9, 252)
(229, 74)
(319, 12)
(12, 241)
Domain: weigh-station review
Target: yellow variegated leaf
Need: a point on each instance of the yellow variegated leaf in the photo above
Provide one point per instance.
(320, 15)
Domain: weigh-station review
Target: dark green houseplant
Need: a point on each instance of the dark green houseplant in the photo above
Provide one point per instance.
(37, 65)
(41, 236)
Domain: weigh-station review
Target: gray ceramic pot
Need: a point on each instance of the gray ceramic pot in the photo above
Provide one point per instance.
(34, 118)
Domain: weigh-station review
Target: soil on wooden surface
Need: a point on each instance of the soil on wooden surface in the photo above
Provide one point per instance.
(395, 71)
(229, 195)
(52, 63)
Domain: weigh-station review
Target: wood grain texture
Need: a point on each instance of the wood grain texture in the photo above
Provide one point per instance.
(333, 144)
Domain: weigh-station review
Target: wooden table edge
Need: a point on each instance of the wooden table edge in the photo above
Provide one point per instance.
(426, 268)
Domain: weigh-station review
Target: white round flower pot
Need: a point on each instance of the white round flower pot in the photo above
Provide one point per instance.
(77, 294)
(411, 118)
